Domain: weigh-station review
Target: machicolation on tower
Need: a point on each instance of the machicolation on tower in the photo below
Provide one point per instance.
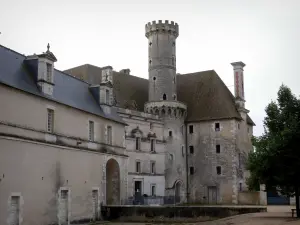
(160, 27)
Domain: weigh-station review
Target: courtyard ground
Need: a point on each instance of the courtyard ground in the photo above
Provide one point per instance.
(276, 215)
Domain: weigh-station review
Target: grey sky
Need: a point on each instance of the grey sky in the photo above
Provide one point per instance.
(264, 34)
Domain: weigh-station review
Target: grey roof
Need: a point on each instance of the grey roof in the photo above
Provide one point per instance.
(68, 90)
(205, 94)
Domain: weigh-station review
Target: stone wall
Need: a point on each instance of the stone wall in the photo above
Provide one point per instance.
(39, 171)
(249, 198)
(205, 159)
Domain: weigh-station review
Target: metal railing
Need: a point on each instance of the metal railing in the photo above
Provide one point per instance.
(154, 200)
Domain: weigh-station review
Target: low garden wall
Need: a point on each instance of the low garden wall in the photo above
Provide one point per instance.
(134, 213)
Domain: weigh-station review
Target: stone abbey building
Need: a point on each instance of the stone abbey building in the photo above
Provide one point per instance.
(73, 140)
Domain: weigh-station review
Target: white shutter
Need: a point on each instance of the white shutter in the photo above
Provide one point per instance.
(64, 197)
(14, 210)
(95, 204)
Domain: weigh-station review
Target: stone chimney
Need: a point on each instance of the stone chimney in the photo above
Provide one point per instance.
(238, 70)
(125, 71)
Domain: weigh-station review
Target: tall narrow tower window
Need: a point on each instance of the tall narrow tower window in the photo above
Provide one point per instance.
(173, 61)
(164, 97)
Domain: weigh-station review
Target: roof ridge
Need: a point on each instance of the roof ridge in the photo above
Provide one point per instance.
(66, 74)
(12, 50)
(122, 74)
(194, 73)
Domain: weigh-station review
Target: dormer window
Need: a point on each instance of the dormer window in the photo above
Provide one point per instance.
(49, 72)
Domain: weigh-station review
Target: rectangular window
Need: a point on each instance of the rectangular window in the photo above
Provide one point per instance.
(241, 187)
(64, 207)
(153, 189)
(49, 72)
(219, 170)
(218, 148)
(182, 129)
(50, 120)
(138, 143)
(95, 196)
(14, 210)
(152, 167)
(138, 167)
(107, 96)
(238, 126)
(182, 150)
(192, 170)
(109, 135)
(191, 129)
(152, 145)
(170, 133)
(191, 149)
(217, 126)
(91, 131)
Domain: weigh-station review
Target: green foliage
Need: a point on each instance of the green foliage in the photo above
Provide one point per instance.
(276, 161)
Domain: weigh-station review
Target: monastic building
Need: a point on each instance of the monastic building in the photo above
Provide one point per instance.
(73, 140)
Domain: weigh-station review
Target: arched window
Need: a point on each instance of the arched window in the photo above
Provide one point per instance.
(164, 97)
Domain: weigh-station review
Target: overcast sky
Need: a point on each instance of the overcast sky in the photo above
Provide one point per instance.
(264, 34)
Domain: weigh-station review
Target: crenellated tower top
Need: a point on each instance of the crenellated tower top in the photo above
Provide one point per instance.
(160, 27)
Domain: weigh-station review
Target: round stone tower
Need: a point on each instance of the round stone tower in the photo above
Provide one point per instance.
(163, 101)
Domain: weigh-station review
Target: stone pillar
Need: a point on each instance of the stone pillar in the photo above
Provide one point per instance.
(262, 195)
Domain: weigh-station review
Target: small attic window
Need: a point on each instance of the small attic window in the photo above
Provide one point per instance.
(164, 97)
(49, 72)
(154, 78)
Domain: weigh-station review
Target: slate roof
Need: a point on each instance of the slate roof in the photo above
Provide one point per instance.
(205, 94)
(68, 90)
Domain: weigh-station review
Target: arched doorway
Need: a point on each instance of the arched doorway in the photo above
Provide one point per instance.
(112, 182)
(177, 191)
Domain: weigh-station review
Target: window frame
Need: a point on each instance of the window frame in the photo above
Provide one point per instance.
(191, 129)
(91, 130)
(138, 166)
(50, 120)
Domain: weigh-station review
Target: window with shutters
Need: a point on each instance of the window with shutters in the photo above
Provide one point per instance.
(91, 131)
(109, 135)
(14, 210)
(50, 120)
(64, 206)
(49, 72)
(95, 197)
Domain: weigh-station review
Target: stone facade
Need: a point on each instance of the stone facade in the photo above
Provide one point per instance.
(208, 164)
(63, 153)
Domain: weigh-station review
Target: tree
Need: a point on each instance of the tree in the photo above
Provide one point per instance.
(276, 161)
